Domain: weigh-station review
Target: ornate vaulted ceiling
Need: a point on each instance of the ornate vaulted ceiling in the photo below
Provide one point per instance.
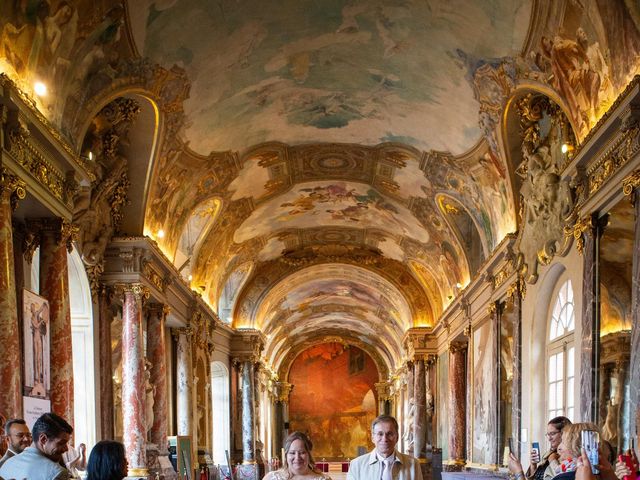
(320, 169)
(320, 203)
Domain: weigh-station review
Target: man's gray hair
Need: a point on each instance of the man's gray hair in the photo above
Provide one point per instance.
(385, 419)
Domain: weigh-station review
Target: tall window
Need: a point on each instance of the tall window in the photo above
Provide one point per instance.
(220, 402)
(561, 355)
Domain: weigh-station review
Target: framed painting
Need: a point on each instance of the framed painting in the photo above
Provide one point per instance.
(484, 405)
(36, 345)
(183, 452)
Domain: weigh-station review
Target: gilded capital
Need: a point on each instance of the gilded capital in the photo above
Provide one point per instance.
(630, 184)
(12, 185)
(139, 291)
(62, 231)
(284, 390)
(456, 347)
(582, 226)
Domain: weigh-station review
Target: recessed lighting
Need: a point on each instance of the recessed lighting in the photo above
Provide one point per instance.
(160, 233)
(458, 285)
(190, 277)
(90, 155)
(40, 89)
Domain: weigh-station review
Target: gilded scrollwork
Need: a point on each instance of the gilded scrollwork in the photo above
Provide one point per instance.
(12, 185)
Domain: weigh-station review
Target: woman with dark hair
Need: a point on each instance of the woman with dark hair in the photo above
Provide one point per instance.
(107, 461)
(299, 461)
(545, 469)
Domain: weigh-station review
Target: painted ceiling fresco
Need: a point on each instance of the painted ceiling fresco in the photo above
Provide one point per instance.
(361, 141)
(329, 71)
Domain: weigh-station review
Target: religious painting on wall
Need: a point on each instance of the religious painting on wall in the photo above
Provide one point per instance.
(443, 403)
(334, 387)
(484, 407)
(35, 315)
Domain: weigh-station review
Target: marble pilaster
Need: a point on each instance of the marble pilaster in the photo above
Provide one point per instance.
(156, 354)
(55, 240)
(631, 186)
(184, 381)
(457, 401)
(133, 381)
(105, 313)
(588, 348)
(420, 402)
(11, 189)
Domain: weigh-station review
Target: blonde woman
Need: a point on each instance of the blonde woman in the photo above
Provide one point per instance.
(299, 461)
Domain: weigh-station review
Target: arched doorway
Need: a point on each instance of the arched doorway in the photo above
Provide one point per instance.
(220, 411)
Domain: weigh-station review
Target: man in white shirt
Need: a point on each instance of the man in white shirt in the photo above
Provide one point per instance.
(384, 462)
(51, 435)
(18, 438)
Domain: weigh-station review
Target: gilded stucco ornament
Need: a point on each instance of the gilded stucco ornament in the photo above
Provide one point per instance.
(547, 200)
(11, 184)
(631, 184)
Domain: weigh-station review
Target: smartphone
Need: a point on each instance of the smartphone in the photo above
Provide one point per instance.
(590, 443)
(536, 446)
(626, 459)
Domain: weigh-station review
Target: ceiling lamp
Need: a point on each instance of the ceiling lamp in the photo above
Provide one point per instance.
(40, 89)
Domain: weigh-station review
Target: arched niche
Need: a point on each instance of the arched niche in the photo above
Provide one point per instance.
(195, 230)
(469, 233)
(231, 289)
(513, 135)
(128, 122)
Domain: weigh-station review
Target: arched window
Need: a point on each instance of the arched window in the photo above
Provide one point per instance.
(220, 411)
(561, 354)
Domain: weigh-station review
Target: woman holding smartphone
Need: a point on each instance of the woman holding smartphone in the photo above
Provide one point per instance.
(543, 468)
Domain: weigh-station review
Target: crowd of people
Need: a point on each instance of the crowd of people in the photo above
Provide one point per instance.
(43, 454)
(567, 458)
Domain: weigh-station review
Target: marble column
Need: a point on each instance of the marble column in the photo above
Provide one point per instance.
(516, 387)
(248, 413)
(590, 328)
(156, 354)
(11, 189)
(184, 381)
(631, 187)
(457, 401)
(133, 381)
(431, 382)
(420, 402)
(105, 313)
(55, 241)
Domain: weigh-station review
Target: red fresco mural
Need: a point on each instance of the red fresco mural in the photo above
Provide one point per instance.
(333, 399)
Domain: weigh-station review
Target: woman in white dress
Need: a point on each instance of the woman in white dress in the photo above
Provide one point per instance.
(299, 461)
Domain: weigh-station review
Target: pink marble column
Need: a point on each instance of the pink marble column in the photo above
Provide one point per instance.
(457, 401)
(106, 369)
(156, 354)
(133, 382)
(11, 189)
(54, 286)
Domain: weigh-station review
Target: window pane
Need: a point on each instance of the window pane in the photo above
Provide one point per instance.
(571, 359)
(570, 386)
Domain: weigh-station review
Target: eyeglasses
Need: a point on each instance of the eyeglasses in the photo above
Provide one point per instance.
(552, 434)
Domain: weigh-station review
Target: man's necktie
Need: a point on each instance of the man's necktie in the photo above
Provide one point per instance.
(388, 466)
